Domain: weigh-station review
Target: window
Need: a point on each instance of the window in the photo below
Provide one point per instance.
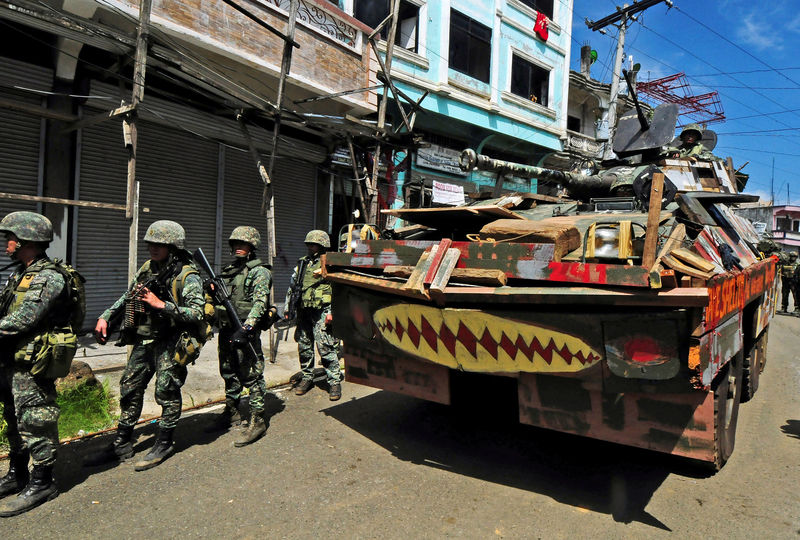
(529, 81)
(542, 6)
(784, 224)
(470, 46)
(373, 12)
(574, 124)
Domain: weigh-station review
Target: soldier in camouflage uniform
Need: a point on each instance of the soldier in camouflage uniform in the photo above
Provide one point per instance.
(314, 318)
(691, 147)
(157, 334)
(789, 281)
(32, 302)
(248, 280)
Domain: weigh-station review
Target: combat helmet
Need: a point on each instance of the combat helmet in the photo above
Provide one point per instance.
(318, 237)
(165, 231)
(249, 235)
(792, 255)
(697, 128)
(28, 226)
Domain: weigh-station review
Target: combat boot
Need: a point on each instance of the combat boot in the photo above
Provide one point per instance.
(40, 489)
(162, 449)
(304, 386)
(120, 449)
(335, 393)
(229, 416)
(17, 476)
(255, 430)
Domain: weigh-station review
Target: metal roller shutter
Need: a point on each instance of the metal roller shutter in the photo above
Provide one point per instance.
(178, 176)
(294, 182)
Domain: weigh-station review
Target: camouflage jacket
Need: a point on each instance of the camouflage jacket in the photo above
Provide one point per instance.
(183, 311)
(249, 283)
(316, 292)
(697, 150)
(44, 295)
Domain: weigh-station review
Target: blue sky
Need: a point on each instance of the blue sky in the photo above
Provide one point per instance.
(749, 52)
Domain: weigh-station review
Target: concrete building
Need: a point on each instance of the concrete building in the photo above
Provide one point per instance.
(64, 64)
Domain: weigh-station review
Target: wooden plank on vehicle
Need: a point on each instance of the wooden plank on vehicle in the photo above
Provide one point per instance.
(674, 240)
(653, 215)
(693, 259)
(415, 280)
(445, 270)
(477, 276)
(436, 260)
(675, 264)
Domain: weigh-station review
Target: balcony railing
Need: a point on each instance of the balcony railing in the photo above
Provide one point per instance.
(583, 144)
(323, 20)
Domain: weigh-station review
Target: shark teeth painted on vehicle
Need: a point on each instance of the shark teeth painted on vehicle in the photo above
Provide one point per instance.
(476, 341)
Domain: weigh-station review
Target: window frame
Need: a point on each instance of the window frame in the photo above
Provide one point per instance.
(470, 70)
(516, 54)
(532, 4)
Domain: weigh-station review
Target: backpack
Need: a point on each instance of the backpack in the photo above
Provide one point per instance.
(76, 290)
(191, 342)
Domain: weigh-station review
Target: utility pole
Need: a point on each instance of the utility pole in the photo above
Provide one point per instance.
(621, 18)
(772, 184)
(130, 132)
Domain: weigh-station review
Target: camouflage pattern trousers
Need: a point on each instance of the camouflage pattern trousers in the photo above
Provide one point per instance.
(788, 285)
(240, 370)
(311, 328)
(151, 357)
(31, 413)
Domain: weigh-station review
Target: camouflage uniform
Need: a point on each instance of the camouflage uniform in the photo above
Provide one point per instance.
(249, 281)
(695, 150)
(157, 336)
(789, 275)
(314, 307)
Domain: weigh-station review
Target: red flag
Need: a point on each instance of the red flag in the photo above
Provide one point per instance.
(541, 26)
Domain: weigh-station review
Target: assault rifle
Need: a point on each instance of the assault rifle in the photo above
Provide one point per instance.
(295, 295)
(223, 298)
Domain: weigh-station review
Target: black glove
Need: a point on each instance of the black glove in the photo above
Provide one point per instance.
(241, 337)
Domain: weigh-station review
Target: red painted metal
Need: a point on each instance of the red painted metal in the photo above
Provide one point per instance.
(704, 108)
(444, 245)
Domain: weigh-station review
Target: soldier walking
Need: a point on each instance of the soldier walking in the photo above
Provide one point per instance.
(249, 280)
(789, 281)
(163, 307)
(36, 308)
(313, 295)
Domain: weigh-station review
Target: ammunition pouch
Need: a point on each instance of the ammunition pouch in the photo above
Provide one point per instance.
(187, 349)
(50, 353)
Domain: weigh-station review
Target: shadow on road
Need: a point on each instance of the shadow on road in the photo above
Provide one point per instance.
(191, 431)
(578, 471)
(792, 428)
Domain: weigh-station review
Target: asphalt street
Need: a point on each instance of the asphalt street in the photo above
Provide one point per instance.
(379, 465)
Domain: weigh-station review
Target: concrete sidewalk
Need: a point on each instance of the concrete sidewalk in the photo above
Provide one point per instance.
(203, 384)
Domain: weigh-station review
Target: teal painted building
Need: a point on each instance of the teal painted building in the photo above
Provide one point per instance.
(493, 83)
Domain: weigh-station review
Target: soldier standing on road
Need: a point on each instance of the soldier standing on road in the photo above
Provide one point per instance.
(314, 317)
(165, 302)
(33, 304)
(248, 280)
(789, 281)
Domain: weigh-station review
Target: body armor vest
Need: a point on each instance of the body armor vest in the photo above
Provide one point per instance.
(235, 277)
(317, 292)
(788, 270)
(151, 324)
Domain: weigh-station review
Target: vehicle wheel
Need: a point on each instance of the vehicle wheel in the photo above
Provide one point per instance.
(727, 394)
(753, 366)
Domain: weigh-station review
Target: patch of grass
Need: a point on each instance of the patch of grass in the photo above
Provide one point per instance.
(87, 408)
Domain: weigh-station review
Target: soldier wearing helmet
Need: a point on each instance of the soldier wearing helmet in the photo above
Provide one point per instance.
(248, 280)
(789, 278)
(33, 301)
(691, 146)
(162, 307)
(314, 317)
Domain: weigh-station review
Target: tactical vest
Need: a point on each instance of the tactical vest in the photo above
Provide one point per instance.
(787, 270)
(152, 324)
(316, 292)
(235, 277)
(48, 350)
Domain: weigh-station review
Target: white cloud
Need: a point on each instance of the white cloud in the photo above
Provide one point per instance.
(757, 31)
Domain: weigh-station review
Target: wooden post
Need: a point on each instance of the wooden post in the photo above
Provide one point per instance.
(373, 187)
(130, 132)
(357, 178)
(653, 218)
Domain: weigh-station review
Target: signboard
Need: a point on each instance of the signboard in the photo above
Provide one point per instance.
(440, 158)
(444, 193)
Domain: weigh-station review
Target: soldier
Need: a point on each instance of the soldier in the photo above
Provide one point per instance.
(314, 317)
(249, 280)
(691, 147)
(34, 304)
(163, 305)
(789, 281)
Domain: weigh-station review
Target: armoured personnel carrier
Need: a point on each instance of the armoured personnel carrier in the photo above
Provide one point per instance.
(634, 307)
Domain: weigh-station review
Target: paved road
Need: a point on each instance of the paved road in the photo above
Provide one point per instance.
(378, 465)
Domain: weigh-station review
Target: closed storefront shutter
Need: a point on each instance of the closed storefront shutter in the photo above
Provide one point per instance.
(294, 182)
(20, 136)
(178, 176)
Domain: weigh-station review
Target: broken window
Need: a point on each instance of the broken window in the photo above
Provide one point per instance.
(373, 12)
(542, 6)
(470, 46)
(574, 124)
(529, 81)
